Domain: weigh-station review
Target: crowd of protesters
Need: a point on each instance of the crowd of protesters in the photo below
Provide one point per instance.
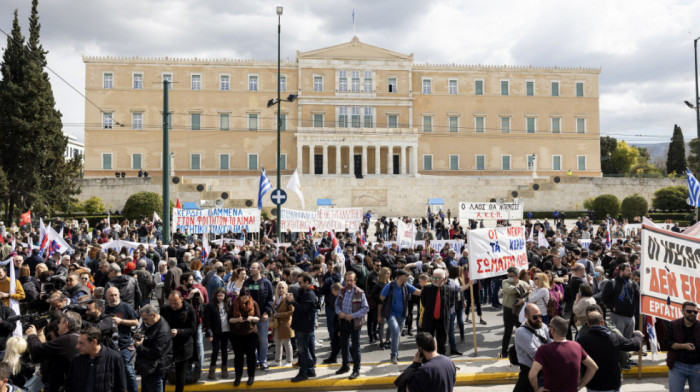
(96, 317)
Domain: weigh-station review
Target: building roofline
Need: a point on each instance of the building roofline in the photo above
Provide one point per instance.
(180, 61)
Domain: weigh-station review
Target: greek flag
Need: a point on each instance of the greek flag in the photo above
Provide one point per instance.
(265, 186)
(693, 190)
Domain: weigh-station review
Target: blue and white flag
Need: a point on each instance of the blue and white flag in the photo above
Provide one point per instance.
(693, 190)
(265, 186)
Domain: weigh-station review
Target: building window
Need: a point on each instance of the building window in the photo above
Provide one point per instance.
(392, 85)
(427, 123)
(138, 81)
(283, 83)
(454, 162)
(355, 81)
(343, 117)
(530, 124)
(108, 80)
(427, 86)
(505, 87)
(252, 83)
(454, 124)
(479, 124)
(137, 120)
(355, 116)
(196, 119)
(252, 121)
(452, 86)
(107, 161)
(224, 121)
(581, 162)
(342, 81)
(505, 162)
(195, 162)
(478, 87)
(252, 161)
(505, 124)
(556, 162)
(392, 121)
(531, 160)
(580, 125)
(107, 120)
(427, 162)
(318, 120)
(369, 120)
(579, 89)
(169, 78)
(556, 124)
(480, 162)
(283, 122)
(224, 82)
(196, 82)
(555, 89)
(136, 161)
(318, 83)
(224, 162)
(530, 88)
(283, 161)
(368, 82)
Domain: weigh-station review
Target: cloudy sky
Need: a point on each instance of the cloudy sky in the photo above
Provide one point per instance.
(644, 47)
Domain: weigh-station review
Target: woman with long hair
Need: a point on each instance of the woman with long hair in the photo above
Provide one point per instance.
(17, 356)
(243, 317)
(540, 295)
(384, 337)
(235, 283)
(281, 324)
(217, 330)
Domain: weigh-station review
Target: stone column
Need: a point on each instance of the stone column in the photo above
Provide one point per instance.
(377, 162)
(325, 159)
(402, 160)
(414, 157)
(364, 161)
(300, 159)
(337, 160)
(311, 158)
(390, 160)
(351, 160)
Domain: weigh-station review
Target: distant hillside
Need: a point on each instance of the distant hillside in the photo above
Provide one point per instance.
(658, 151)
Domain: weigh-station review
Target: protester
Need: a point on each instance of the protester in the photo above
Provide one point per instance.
(303, 325)
(244, 317)
(154, 349)
(431, 370)
(182, 320)
(528, 338)
(55, 355)
(394, 298)
(281, 324)
(262, 292)
(17, 357)
(97, 368)
(124, 317)
(217, 331)
(351, 307)
(435, 309)
(683, 358)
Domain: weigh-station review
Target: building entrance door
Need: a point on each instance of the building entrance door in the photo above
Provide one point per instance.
(318, 164)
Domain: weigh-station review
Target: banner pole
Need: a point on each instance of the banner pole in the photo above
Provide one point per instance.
(641, 346)
(471, 294)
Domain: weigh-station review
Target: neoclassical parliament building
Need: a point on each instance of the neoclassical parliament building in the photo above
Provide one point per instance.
(361, 111)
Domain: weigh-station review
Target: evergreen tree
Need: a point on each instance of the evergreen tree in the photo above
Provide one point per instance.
(693, 156)
(37, 175)
(675, 160)
(608, 144)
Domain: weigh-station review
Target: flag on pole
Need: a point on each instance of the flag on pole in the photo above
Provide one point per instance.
(531, 237)
(265, 186)
(56, 242)
(294, 185)
(25, 218)
(14, 304)
(335, 243)
(693, 190)
(43, 237)
(178, 205)
(311, 233)
(608, 241)
(649, 322)
(206, 248)
(109, 226)
(541, 240)
(156, 218)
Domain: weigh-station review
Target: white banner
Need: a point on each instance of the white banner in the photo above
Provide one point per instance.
(497, 211)
(119, 244)
(456, 245)
(217, 220)
(405, 234)
(493, 251)
(632, 226)
(323, 219)
(670, 272)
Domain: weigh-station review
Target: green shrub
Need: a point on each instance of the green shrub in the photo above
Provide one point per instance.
(94, 206)
(671, 198)
(588, 204)
(143, 204)
(606, 204)
(634, 205)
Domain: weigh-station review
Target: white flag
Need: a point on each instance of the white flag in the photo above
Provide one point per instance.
(294, 185)
(156, 218)
(541, 240)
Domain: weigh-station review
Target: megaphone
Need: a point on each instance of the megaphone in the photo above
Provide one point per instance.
(219, 203)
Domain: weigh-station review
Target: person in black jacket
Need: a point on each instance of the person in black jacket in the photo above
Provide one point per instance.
(182, 319)
(55, 355)
(303, 326)
(154, 350)
(94, 317)
(74, 288)
(6, 327)
(97, 368)
(129, 291)
(217, 331)
(621, 296)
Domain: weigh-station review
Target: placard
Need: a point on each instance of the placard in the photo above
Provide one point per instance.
(492, 251)
(217, 220)
(490, 211)
(456, 245)
(323, 219)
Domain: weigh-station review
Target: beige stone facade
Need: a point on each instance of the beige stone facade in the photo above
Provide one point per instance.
(361, 110)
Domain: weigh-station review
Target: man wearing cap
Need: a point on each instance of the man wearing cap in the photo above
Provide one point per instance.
(394, 308)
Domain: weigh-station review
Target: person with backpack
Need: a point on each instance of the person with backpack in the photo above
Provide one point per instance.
(528, 338)
(394, 300)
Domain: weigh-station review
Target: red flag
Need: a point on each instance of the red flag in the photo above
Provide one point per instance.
(177, 203)
(25, 218)
(2, 240)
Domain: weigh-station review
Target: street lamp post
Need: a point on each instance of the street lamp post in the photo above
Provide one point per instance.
(279, 108)
(697, 98)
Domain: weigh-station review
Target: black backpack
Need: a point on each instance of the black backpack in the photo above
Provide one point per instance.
(513, 355)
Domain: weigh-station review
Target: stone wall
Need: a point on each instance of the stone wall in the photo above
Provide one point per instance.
(396, 195)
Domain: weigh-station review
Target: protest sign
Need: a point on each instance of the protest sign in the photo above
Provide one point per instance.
(492, 251)
(323, 219)
(670, 273)
(632, 228)
(405, 234)
(119, 244)
(217, 220)
(478, 211)
(456, 245)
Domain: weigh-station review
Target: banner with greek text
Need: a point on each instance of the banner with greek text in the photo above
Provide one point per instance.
(323, 219)
(456, 245)
(217, 220)
(670, 272)
(405, 234)
(493, 251)
(497, 211)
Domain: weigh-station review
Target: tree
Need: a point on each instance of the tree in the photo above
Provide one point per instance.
(38, 176)
(623, 158)
(671, 198)
(634, 205)
(608, 144)
(143, 204)
(675, 160)
(94, 205)
(607, 205)
(693, 157)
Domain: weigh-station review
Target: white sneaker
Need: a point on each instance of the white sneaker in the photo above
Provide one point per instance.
(276, 363)
(288, 363)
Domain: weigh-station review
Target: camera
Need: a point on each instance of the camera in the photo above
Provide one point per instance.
(38, 320)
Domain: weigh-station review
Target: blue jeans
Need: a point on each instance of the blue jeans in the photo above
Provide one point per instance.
(262, 340)
(200, 345)
(152, 382)
(128, 358)
(395, 325)
(304, 339)
(451, 332)
(681, 373)
(495, 286)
